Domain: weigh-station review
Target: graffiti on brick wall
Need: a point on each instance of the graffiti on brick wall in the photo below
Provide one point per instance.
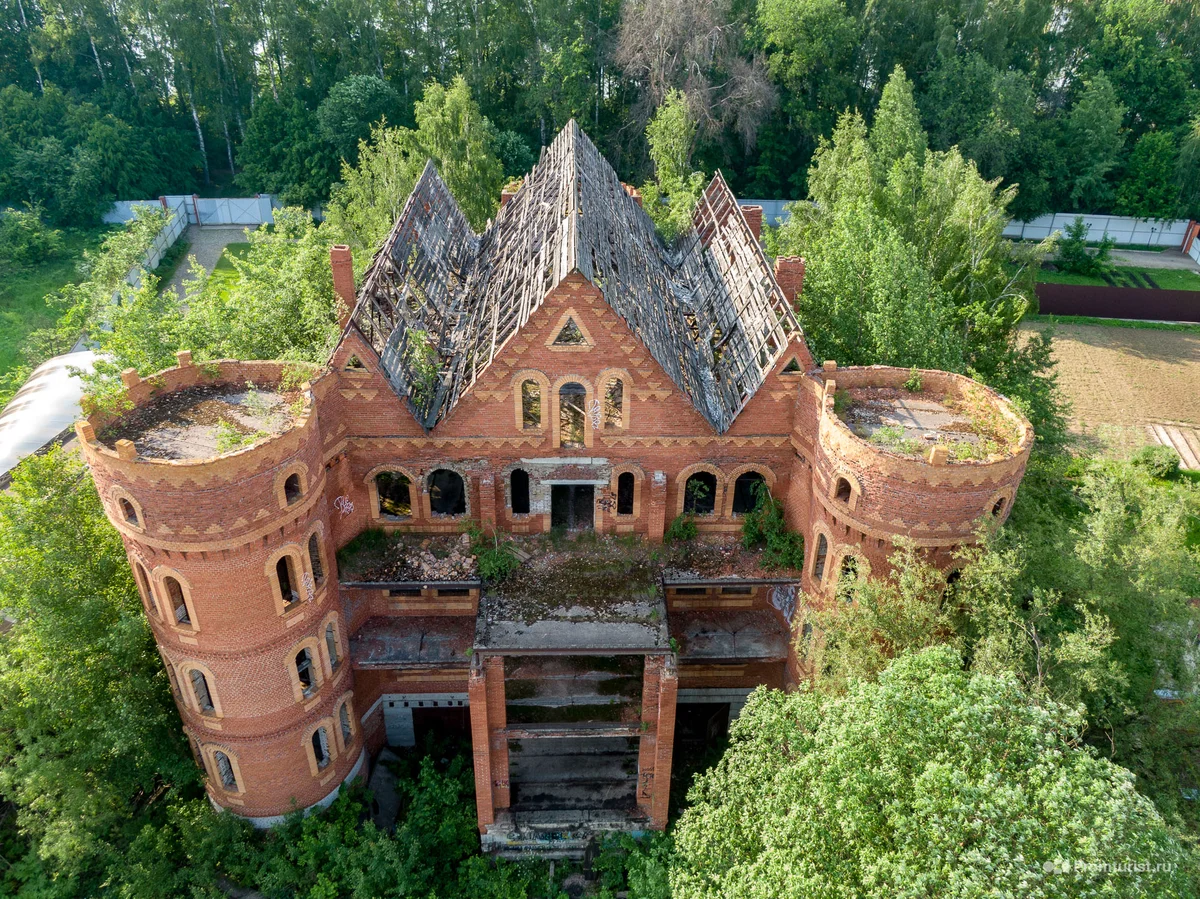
(647, 787)
(596, 412)
(310, 589)
(783, 597)
(344, 505)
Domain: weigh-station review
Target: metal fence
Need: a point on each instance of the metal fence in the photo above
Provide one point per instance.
(1121, 228)
(193, 210)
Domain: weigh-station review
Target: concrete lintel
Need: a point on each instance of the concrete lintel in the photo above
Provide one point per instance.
(566, 460)
(565, 481)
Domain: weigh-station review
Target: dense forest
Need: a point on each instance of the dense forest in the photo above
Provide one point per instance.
(1089, 105)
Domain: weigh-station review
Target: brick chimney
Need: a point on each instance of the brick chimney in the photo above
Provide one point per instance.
(753, 216)
(789, 274)
(509, 191)
(634, 193)
(342, 263)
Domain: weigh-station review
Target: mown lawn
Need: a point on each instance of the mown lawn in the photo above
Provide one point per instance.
(23, 292)
(223, 273)
(1129, 276)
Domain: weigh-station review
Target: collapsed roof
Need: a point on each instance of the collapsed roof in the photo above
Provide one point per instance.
(439, 301)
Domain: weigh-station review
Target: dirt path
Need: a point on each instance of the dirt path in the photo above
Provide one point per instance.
(1129, 386)
(1151, 259)
(206, 245)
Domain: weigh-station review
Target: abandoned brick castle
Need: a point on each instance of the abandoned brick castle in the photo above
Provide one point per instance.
(568, 383)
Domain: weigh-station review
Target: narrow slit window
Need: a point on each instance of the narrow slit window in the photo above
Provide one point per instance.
(625, 493)
(200, 689)
(225, 770)
(395, 495)
(291, 489)
(143, 580)
(178, 603)
(819, 563)
(128, 512)
(287, 583)
(572, 404)
(304, 671)
(531, 404)
(320, 745)
(344, 720)
(331, 644)
(614, 403)
(519, 483)
(314, 558)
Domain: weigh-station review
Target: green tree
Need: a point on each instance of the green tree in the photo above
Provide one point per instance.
(351, 109)
(931, 781)
(896, 131)
(1187, 170)
(283, 153)
(87, 729)
(671, 197)
(1148, 190)
(1093, 143)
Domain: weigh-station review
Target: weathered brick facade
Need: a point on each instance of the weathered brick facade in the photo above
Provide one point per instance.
(220, 525)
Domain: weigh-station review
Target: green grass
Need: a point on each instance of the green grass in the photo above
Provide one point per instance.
(23, 292)
(1111, 323)
(1165, 278)
(224, 275)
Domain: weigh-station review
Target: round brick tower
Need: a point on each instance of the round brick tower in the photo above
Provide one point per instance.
(216, 482)
(929, 465)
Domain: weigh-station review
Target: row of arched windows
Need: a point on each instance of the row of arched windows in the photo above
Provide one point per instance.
(394, 494)
(608, 412)
(322, 743)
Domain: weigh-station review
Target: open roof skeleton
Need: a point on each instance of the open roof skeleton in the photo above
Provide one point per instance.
(439, 301)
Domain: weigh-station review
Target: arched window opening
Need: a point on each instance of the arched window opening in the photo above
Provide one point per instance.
(848, 573)
(843, 490)
(395, 497)
(447, 493)
(304, 670)
(128, 512)
(291, 489)
(519, 483)
(531, 404)
(344, 720)
(200, 688)
(143, 580)
(745, 491)
(822, 554)
(332, 646)
(614, 403)
(225, 770)
(572, 406)
(625, 493)
(998, 507)
(287, 581)
(314, 558)
(178, 604)
(700, 493)
(320, 745)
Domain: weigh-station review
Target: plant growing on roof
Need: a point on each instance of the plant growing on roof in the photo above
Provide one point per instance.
(766, 526)
(421, 359)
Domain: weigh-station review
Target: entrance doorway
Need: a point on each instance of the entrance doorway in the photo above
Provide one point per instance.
(572, 506)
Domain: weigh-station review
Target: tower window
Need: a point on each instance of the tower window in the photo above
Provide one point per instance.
(225, 770)
(344, 720)
(745, 491)
(998, 508)
(625, 493)
(447, 493)
(395, 497)
(144, 585)
(291, 489)
(531, 404)
(178, 604)
(572, 403)
(331, 645)
(304, 670)
(843, 490)
(822, 554)
(700, 493)
(320, 745)
(314, 558)
(128, 512)
(519, 483)
(614, 403)
(287, 583)
(200, 689)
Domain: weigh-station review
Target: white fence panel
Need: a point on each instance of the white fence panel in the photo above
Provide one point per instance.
(122, 210)
(194, 210)
(1194, 252)
(1123, 229)
(774, 211)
